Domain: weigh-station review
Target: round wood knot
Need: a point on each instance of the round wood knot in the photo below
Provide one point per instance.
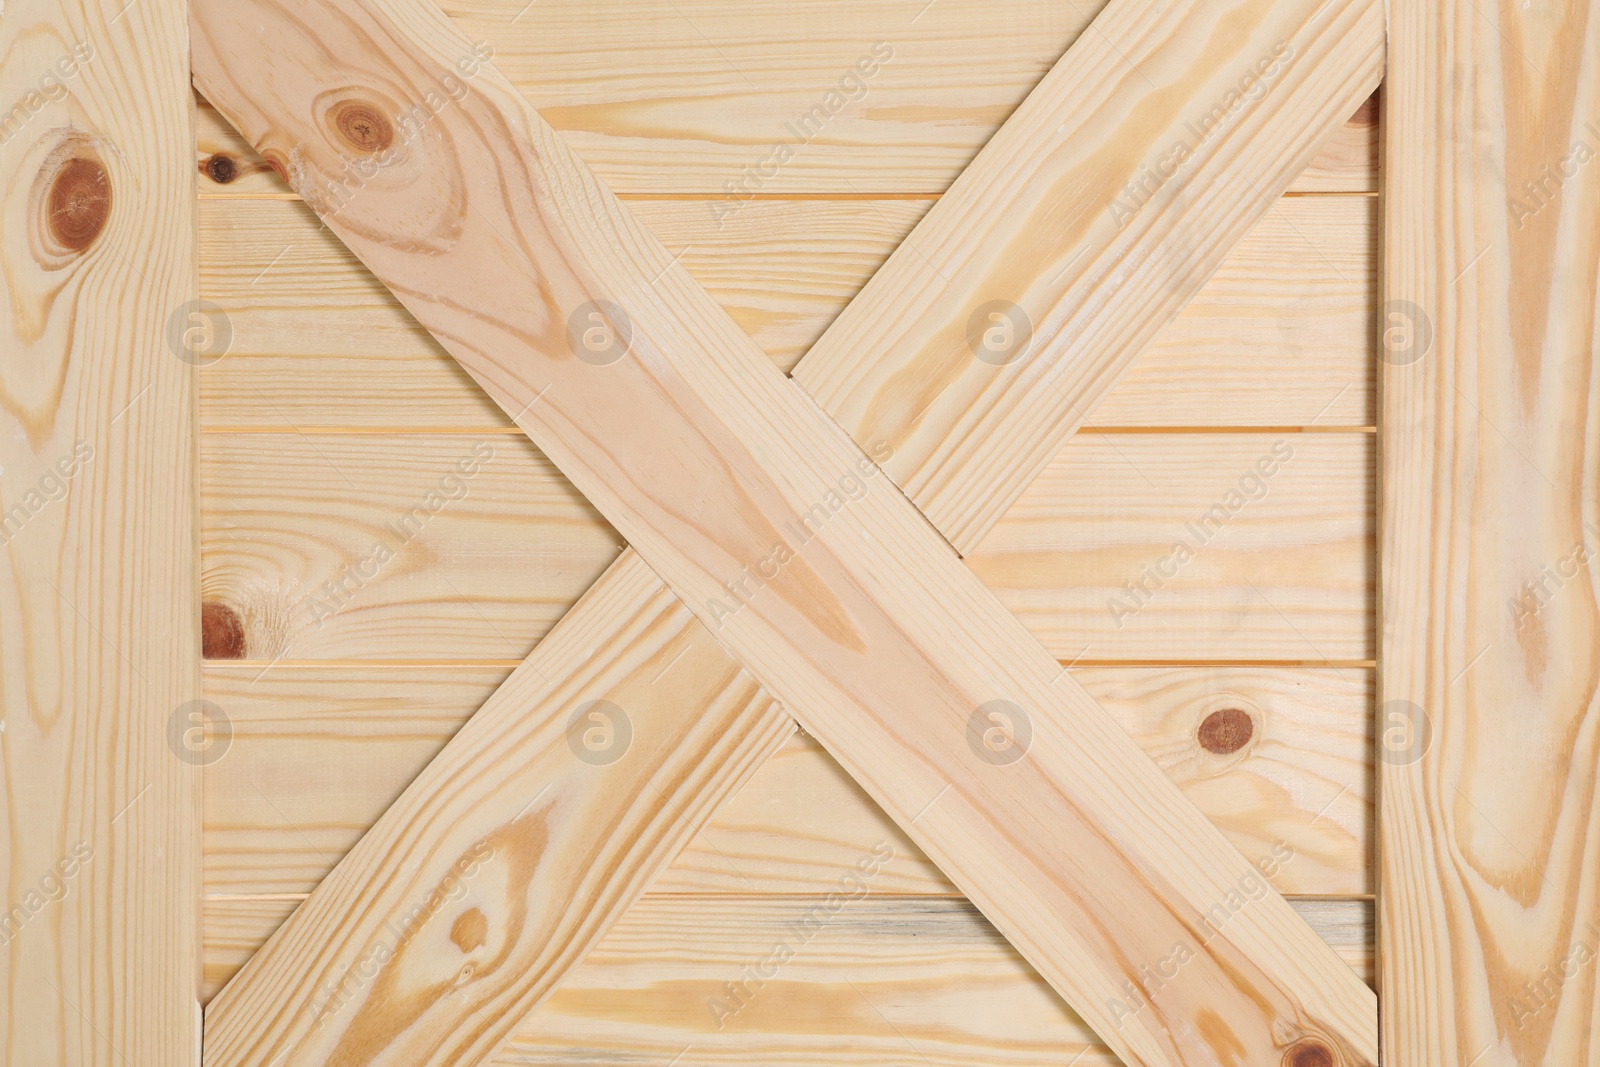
(1225, 732)
(79, 203)
(221, 631)
(1309, 1053)
(470, 930)
(220, 168)
(363, 126)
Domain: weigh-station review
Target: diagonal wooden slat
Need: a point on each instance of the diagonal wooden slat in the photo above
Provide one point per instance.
(1092, 218)
(689, 430)
(1487, 710)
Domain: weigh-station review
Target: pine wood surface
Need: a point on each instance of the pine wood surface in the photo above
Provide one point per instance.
(319, 752)
(1282, 335)
(329, 546)
(730, 137)
(940, 985)
(1043, 272)
(591, 487)
(1491, 417)
(99, 650)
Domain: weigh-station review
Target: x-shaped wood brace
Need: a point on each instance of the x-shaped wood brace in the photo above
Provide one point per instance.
(776, 555)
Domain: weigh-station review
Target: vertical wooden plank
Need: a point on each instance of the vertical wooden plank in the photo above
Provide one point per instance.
(99, 654)
(1488, 725)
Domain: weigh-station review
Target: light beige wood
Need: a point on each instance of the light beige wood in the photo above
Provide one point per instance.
(319, 752)
(880, 981)
(1282, 335)
(318, 545)
(954, 988)
(1082, 228)
(648, 95)
(848, 619)
(1491, 430)
(99, 648)
(328, 546)
(1206, 546)
(516, 852)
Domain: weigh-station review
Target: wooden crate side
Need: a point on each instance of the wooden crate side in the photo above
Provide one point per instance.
(698, 381)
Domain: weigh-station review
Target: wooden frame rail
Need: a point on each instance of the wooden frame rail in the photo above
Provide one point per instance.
(102, 728)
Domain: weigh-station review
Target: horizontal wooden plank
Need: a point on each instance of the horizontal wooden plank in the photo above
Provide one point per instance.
(330, 546)
(1158, 546)
(327, 546)
(657, 112)
(877, 980)
(318, 752)
(1282, 335)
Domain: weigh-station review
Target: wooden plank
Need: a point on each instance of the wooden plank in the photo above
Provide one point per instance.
(354, 546)
(1491, 418)
(99, 653)
(1083, 227)
(319, 752)
(880, 982)
(311, 568)
(1282, 335)
(1174, 546)
(841, 635)
(658, 109)
(649, 981)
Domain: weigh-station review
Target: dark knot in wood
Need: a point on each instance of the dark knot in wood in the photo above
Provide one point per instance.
(363, 126)
(1225, 732)
(1309, 1053)
(79, 203)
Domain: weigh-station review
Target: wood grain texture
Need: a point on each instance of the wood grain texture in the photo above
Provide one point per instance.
(99, 651)
(1490, 863)
(520, 816)
(1205, 546)
(1022, 283)
(954, 988)
(646, 97)
(320, 752)
(327, 546)
(699, 451)
(1282, 334)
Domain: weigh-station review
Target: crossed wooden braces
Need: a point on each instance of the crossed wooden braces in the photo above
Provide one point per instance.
(772, 560)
